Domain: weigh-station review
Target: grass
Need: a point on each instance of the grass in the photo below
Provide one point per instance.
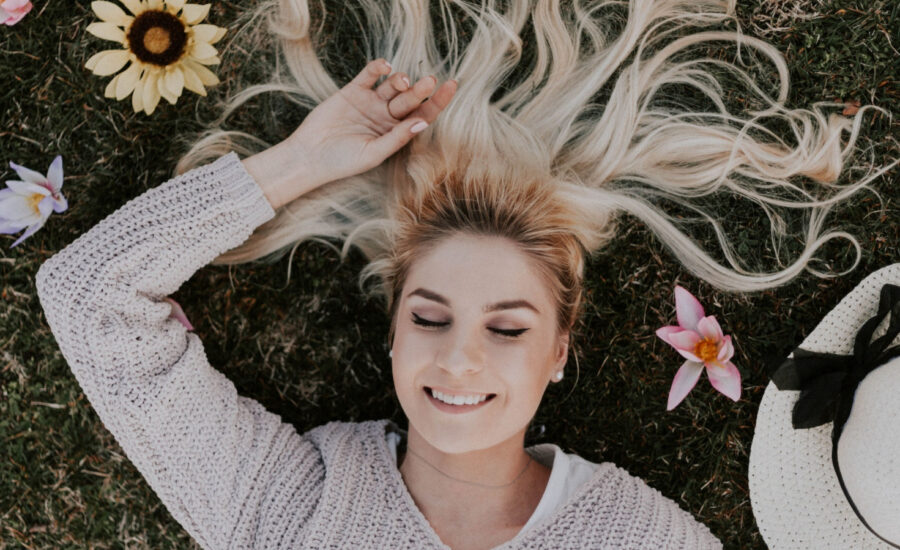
(64, 481)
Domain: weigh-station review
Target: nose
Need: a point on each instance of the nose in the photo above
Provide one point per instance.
(462, 353)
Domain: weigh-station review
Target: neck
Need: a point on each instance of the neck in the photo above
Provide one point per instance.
(500, 486)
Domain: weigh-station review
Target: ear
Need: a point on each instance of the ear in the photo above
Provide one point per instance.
(562, 351)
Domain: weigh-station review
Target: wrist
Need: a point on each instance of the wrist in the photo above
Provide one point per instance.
(283, 173)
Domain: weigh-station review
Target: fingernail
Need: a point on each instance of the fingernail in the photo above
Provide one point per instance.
(418, 127)
(388, 65)
(405, 80)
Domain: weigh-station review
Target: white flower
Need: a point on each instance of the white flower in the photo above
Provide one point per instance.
(30, 202)
(166, 46)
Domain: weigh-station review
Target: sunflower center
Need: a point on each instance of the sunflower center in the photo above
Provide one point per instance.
(706, 350)
(156, 40)
(157, 37)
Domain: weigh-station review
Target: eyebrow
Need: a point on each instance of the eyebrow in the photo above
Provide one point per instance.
(508, 304)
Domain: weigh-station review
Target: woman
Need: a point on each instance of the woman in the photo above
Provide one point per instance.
(478, 232)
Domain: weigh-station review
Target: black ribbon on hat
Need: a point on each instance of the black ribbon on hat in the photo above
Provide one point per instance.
(827, 382)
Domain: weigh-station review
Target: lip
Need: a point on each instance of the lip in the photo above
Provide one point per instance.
(455, 409)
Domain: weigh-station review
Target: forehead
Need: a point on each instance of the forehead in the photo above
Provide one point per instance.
(475, 270)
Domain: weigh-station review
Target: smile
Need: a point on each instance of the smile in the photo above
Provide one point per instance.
(456, 409)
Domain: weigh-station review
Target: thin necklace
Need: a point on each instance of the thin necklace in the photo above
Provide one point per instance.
(472, 482)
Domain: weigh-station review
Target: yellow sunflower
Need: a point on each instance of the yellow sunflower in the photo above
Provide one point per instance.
(167, 49)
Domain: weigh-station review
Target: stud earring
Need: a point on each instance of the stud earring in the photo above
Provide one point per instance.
(559, 375)
(391, 353)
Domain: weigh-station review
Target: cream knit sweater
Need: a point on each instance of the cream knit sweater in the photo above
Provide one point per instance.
(231, 473)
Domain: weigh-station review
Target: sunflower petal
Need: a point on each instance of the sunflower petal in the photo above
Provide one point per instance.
(128, 78)
(207, 77)
(175, 4)
(134, 6)
(202, 50)
(107, 31)
(110, 90)
(151, 92)
(194, 13)
(205, 32)
(192, 81)
(164, 90)
(111, 13)
(219, 34)
(154, 4)
(109, 62)
(137, 98)
(214, 60)
(175, 80)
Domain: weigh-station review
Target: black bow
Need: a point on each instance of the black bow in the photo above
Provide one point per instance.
(828, 382)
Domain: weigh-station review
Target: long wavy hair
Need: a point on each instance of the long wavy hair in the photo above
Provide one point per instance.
(590, 129)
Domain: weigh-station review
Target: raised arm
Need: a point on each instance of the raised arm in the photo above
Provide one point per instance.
(212, 456)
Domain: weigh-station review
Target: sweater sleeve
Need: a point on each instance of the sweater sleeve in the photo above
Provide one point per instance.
(218, 461)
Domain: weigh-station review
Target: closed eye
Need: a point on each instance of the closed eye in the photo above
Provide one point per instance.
(514, 333)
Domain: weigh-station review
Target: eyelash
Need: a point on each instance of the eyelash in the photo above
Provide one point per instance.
(505, 333)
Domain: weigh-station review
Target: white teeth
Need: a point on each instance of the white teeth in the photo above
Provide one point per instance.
(459, 399)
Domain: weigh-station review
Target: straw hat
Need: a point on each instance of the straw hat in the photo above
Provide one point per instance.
(825, 458)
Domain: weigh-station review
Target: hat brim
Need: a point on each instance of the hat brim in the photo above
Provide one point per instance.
(794, 492)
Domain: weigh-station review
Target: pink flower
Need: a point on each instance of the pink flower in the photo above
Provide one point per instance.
(13, 10)
(699, 339)
(29, 202)
(178, 313)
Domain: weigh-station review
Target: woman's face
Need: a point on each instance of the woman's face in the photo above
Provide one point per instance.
(454, 285)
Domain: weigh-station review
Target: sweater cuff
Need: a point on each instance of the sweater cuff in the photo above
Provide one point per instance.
(246, 193)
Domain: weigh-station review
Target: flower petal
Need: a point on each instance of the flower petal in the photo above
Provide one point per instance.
(726, 378)
(17, 208)
(137, 98)
(709, 328)
(61, 205)
(134, 6)
(664, 332)
(55, 173)
(688, 308)
(726, 350)
(108, 62)
(192, 81)
(164, 90)
(175, 80)
(110, 13)
(175, 4)
(684, 343)
(151, 92)
(127, 80)
(205, 32)
(207, 77)
(27, 188)
(110, 90)
(107, 31)
(214, 60)
(29, 233)
(684, 381)
(202, 50)
(194, 13)
(27, 174)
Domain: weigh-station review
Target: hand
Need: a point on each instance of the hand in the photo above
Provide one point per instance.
(357, 128)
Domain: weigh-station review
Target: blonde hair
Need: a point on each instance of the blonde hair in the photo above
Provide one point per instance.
(542, 161)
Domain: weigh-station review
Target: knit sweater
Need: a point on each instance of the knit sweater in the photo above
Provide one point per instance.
(233, 474)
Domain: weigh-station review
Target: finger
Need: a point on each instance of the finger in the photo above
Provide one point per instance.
(406, 102)
(371, 73)
(430, 110)
(391, 142)
(392, 85)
